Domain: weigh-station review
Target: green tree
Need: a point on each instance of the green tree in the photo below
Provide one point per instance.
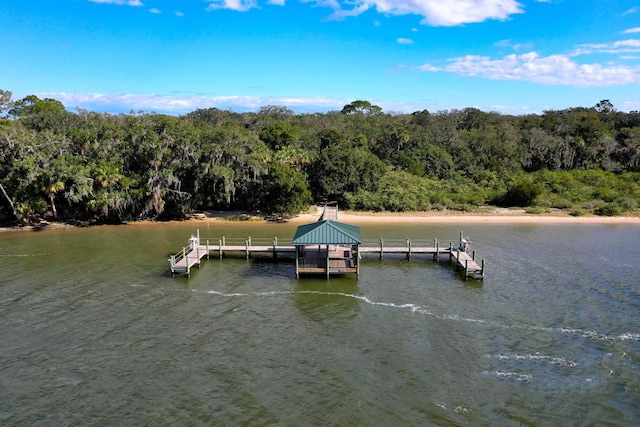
(284, 191)
(361, 107)
(522, 193)
(342, 169)
(279, 135)
(40, 114)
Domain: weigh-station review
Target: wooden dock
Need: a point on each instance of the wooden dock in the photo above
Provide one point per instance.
(191, 255)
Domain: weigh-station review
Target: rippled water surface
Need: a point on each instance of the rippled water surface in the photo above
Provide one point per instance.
(95, 331)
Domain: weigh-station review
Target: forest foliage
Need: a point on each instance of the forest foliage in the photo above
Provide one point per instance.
(96, 167)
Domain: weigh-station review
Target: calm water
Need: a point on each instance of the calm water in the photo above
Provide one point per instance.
(94, 331)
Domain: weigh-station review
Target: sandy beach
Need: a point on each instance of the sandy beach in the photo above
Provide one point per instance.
(497, 216)
(494, 216)
(467, 218)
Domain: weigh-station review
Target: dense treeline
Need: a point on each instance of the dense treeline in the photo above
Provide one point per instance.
(101, 167)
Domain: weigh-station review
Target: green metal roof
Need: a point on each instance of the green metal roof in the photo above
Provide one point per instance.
(327, 232)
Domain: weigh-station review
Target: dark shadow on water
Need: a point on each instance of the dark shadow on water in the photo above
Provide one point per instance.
(322, 299)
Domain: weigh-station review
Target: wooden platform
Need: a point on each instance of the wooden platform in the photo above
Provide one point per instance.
(191, 255)
(468, 264)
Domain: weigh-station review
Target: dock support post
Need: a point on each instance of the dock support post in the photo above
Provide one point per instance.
(198, 254)
(224, 243)
(327, 261)
(473, 255)
(381, 249)
(450, 252)
(246, 247)
(357, 261)
(409, 250)
(220, 247)
(466, 269)
(198, 235)
(482, 272)
(297, 264)
(208, 250)
(437, 255)
(184, 256)
(461, 237)
(275, 245)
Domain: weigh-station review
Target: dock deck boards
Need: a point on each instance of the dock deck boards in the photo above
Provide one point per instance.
(190, 257)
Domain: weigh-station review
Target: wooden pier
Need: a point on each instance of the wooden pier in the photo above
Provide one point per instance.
(191, 255)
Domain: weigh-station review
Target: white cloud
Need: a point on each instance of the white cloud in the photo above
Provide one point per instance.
(631, 11)
(629, 106)
(632, 30)
(119, 2)
(179, 14)
(237, 5)
(549, 70)
(175, 105)
(115, 103)
(434, 12)
(155, 10)
(403, 40)
(508, 43)
(621, 46)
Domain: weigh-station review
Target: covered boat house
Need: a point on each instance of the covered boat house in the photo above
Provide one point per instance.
(327, 247)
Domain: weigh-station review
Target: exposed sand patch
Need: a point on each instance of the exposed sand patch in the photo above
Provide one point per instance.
(494, 216)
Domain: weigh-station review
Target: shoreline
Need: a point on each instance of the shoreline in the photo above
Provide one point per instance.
(358, 218)
(471, 218)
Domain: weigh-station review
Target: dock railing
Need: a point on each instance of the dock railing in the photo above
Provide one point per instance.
(199, 247)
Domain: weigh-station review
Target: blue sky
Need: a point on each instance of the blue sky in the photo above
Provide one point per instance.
(174, 56)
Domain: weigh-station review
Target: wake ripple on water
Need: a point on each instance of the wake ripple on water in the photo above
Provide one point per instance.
(413, 308)
(537, 357)
(21, 255)
(516, 363)
(597, 336)
(541, 370)
(514, 376)
(418, 309)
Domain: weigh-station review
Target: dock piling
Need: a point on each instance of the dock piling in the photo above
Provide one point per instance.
(275, 245)
(191, 255)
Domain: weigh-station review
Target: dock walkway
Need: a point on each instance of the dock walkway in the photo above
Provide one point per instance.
(191, 255)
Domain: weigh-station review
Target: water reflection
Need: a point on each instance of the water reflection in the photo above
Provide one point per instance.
(319, 299)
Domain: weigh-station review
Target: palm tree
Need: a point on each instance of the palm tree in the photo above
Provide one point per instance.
(51, 189)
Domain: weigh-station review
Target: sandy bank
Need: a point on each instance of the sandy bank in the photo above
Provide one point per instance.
(435, 218)
(494, 217)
